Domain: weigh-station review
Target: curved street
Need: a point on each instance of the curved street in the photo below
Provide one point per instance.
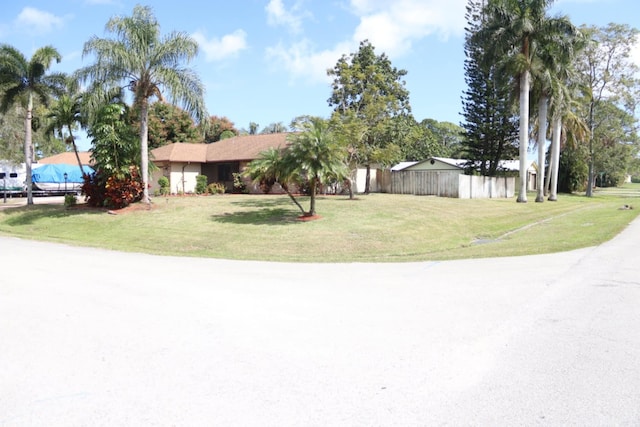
(90, 337)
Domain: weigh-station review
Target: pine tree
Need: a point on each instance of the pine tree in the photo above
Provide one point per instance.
(491, 124)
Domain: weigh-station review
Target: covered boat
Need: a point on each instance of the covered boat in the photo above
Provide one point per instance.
(59, 177)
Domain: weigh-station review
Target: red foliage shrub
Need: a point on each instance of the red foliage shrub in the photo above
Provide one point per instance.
(114, 192)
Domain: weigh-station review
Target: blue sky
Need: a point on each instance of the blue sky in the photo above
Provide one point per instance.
(265, 60)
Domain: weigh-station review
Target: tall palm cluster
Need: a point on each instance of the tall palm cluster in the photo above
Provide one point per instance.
(538, 51)
(137, 60)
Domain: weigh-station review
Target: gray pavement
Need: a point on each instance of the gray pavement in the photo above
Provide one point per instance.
(96, 338)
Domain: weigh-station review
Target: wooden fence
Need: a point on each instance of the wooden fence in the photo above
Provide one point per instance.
(450, 184)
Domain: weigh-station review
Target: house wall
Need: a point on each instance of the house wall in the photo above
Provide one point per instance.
(182, 177)
(361, 179)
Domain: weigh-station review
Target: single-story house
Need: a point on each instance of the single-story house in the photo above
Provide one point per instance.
(446, 177)
(182, 162)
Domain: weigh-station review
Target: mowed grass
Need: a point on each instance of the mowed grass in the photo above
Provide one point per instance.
(373, 228)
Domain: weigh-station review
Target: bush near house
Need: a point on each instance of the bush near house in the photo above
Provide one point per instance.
(201, 184)
(163, 182)
(115, 191)
(215, 188)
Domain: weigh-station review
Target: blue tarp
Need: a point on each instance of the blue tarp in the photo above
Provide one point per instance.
(55, 173)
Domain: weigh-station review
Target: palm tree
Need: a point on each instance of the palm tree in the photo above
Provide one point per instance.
(145, 62)
(314, 155)
(318, 156)
(517, 28)
(21, 81)
(552, 71)
(272, 166)
(66, 114)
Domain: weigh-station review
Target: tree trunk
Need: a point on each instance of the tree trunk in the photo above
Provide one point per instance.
(144, 149)
(591, 154)
(312, 202)
(542, 140)
(285, 187)
(28, 150)
(555, 158)
(367, 188)
(524, 135)
(75, 150)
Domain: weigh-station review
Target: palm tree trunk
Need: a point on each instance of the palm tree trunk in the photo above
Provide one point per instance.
(542, 139)
(312, 202)
(144, 149)
(285, 187)
(524, 135)
(75, 150)
(28, 150)
(555, 158)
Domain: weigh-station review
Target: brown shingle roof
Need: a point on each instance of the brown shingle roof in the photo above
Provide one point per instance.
(67, 158)
(180, 152)
(246, 147)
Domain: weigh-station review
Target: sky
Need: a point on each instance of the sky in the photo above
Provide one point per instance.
(265, 61)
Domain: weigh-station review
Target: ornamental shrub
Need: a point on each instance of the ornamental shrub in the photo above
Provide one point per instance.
(163, 182)
(201, 184)
(116, 191)
(216, 188)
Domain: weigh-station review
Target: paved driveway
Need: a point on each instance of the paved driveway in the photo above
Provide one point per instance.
(96, 338)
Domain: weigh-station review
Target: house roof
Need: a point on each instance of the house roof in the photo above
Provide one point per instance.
(68, 158)
(505, 165)
(245, 147)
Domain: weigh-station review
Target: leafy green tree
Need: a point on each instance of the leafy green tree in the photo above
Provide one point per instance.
(167, 124)
(368, 89)
(278, 127)
(115, 143)
(146, 63)
(607, 72)
(21, 82)
(219, 126)
(12, 134)
(490, 126)
(515, 30)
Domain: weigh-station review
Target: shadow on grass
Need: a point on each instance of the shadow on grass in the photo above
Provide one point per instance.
(263, 202)
(26, 215)
(265, 216)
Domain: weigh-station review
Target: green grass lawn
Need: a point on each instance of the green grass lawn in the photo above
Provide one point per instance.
(377, 227)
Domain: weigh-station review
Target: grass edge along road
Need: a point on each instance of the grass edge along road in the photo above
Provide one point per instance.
(373, 228)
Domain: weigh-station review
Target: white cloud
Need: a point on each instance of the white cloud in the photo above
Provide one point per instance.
(277, 15)
(218, 49)
(391, 27)
(302, 62)
(36, 21)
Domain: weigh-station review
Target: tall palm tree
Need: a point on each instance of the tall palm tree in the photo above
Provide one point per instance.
(65, 115)
(144, 62)
(24, 81)
(516, 28)
(551, 69)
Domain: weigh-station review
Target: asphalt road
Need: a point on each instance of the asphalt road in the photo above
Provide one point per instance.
(96, 338)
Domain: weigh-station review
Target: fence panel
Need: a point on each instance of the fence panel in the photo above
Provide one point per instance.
(451, 184)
